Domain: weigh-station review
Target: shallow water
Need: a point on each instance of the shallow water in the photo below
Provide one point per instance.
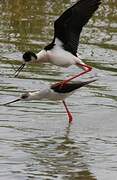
(36, 141)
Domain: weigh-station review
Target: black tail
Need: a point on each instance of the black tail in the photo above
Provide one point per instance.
(71, 86)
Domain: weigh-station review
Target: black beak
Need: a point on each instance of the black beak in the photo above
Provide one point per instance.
(19, 69)
(12, 101)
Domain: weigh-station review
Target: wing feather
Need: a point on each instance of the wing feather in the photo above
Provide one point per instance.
(69, 25)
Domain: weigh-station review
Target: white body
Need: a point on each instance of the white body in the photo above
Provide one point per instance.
(58, 56)
(48, 94)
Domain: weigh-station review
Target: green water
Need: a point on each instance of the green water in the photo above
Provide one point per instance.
(36, 141)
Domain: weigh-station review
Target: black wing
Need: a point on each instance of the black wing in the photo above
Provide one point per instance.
(69, 25)
(69, 87)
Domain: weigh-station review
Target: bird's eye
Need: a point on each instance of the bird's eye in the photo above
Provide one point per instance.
(24, 96)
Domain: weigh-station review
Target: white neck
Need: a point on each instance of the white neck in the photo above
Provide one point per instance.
(38, 95)
(42, 56)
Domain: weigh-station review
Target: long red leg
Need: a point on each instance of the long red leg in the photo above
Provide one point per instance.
(89, 68)
(68, 112)
(62, 83)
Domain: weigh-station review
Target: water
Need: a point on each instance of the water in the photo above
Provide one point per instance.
(36, 141)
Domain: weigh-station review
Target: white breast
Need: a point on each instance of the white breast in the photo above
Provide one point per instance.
(54, 96)
(42, 56)
(59, 56)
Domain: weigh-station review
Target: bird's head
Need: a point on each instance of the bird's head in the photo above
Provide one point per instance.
(28, 96)
(28, 57)
(24, 97)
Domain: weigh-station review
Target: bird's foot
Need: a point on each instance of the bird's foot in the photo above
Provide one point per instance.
(70, 118)
(63, 83)
(60, 84)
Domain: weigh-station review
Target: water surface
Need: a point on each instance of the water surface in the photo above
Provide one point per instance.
(36, 141)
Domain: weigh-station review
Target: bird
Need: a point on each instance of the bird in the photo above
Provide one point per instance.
(54, 93)
(62, 51)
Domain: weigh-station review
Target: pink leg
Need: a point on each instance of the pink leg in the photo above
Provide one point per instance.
(68, 112)
(62, 83)
(89, 68)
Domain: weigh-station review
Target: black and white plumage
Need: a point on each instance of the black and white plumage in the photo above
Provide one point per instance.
(55, 92)
(62, 51)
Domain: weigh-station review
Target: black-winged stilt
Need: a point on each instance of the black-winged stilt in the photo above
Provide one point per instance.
(54, 93)
(62, 51)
